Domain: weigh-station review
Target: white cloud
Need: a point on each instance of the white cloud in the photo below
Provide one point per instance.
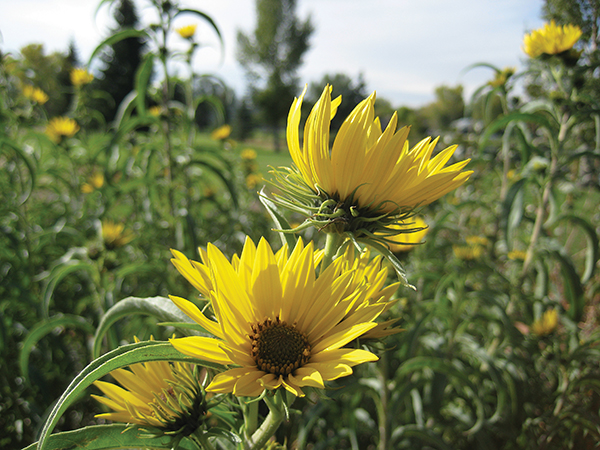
(404, 48)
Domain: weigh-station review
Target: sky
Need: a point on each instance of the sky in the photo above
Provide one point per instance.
(403, 49)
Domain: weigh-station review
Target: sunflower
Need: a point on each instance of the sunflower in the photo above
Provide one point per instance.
(35, 94)
(80, 76)
(156, 394)
(94, 182)
(221, 133)
(60, 127)
(370, 178)
(187, 31)
(114, 234)
(552, 39)
(545, 324)
(276, 325)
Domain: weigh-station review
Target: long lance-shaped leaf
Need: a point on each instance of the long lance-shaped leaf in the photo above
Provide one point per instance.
(57, 274)
(219, 173)
(501, 122)
(572, 288)
(592, 249)
(108, 437)
(142, 77)
(21, 154)
(160, 307)
(278, 219)
(446, 367)
(512, 210)
(123, 356)
(117, 37)
(45, 327)
(209, 20)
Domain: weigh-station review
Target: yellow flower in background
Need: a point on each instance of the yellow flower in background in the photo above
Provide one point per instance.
(473, 250)
(411, 233)
(253, 179)
(502, 77)
(545, 324)
(35, 94)
(155, 110)
(157, 394)
(552, 39)
(221, 133)
(61, 127)
(95, 181)
(377, 169)
(276, 325)
(187, 32)
(114, 234)
(477, 240)
(80, 76)
(248, 154)
(517, 255)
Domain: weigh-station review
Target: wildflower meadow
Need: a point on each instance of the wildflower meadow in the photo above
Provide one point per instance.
(169, 282)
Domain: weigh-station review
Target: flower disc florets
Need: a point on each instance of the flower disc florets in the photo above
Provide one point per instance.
(277, 347)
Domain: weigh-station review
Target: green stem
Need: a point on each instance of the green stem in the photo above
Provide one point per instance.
(250, 417)
(332, 245)
(270, 425)
(201, 440)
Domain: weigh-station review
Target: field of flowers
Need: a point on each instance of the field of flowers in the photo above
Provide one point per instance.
(163, 287)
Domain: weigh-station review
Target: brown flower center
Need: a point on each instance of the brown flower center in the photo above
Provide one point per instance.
(277, 347)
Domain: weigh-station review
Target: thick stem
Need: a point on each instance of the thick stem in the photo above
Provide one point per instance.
(270, 425)
(382, 408)
(332, 245)
(201, 440)
(250, 417)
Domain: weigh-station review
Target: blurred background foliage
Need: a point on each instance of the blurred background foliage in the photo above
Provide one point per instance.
(500, 348)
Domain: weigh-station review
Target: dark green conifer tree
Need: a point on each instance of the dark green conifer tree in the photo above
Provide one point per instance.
(121, 61)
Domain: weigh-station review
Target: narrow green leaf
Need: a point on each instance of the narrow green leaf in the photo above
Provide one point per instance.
(57, 274)
(512, 210)
(221, 174)
(209, 20)
(123, 356)
(160, 307)
(45, 327)
(592, 252)
(23, 157)
(502, 121)
(142, 77)
(108, 437)
(117, 37)
(572, 288)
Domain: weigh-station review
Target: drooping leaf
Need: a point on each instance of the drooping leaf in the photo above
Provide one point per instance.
(117, 37)
(512, 209)
(109, 437)
(45, 327)
(160, 307)
(57, 274)
(572, 287)
(123, 356)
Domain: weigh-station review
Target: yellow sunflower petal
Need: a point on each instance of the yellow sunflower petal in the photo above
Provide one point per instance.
(195, 314)
(201, 347)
